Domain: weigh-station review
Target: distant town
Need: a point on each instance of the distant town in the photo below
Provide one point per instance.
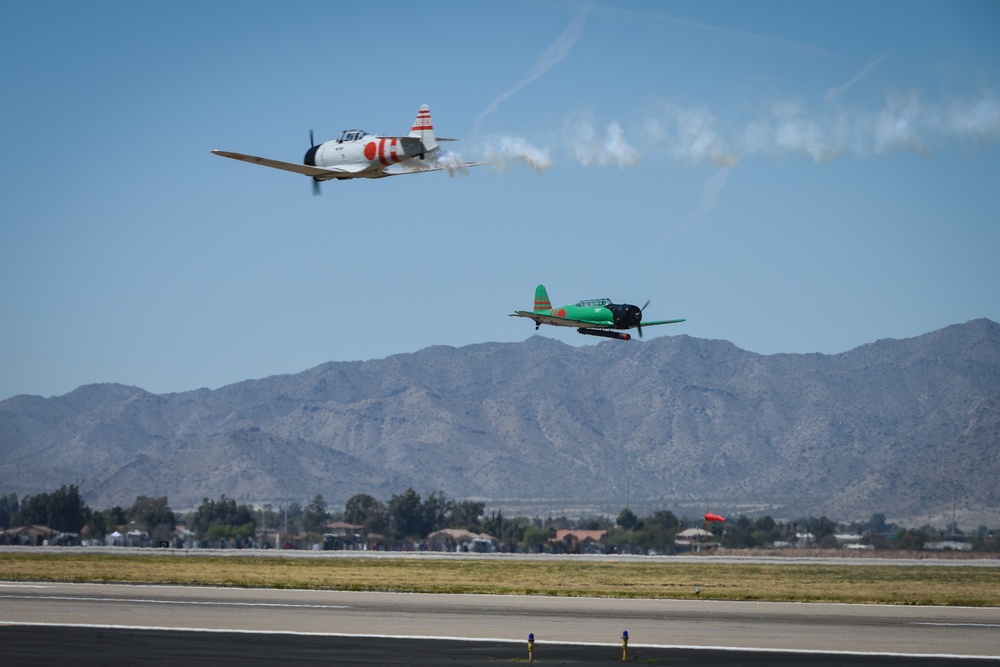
(409, 522)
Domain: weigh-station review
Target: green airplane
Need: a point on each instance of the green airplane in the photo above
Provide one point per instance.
(593, 317)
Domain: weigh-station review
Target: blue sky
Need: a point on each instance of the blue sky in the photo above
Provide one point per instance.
(789, 177)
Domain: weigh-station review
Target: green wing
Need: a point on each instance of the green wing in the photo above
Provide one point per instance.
(541, 318)
(652, 324)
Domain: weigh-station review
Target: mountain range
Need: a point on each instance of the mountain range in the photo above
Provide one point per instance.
(908, 428)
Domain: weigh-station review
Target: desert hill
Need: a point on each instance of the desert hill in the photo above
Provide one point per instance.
(908, 428)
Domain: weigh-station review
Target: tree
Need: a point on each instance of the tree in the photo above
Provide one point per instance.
(661, 528)
(912, 539)
(61, 510)
(739, 533)
(466, 514)
(268, 518)
(493, 525)
(224, 512)
(293, 515)
(820, 527)
(828, 542)
(627, 519)
(364, 510)
(315, 516)
(154, 515)
(406, 515)
(766, 526)
(877, 524)
(535, 538)
(435, 511)
(102, 523)
(115, 516)
(97, 526)
(239, 532)
(9, 506)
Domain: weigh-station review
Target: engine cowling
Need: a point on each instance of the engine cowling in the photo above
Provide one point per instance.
(626, 315)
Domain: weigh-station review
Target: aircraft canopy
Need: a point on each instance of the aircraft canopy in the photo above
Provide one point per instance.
(351, 135)
(594, 303)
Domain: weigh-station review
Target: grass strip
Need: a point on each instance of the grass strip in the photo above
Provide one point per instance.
(877, 584)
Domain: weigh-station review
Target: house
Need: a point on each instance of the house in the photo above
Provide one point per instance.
(456, 539)
(577, 541)
(948, 545)
(32, 536)
(694, 539)
(343, 529)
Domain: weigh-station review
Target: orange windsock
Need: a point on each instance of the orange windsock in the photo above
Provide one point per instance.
(714, 517)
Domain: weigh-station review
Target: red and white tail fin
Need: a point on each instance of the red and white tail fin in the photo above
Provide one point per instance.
(423, 130)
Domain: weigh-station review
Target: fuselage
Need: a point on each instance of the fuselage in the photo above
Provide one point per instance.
(602, 313)
(366, 155)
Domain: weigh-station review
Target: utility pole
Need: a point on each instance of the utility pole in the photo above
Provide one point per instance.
(954, 521)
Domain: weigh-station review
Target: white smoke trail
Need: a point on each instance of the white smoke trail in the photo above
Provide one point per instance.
(710, 194)
(903, 123)
(552, 55)
(711, 190)
(503, 151)
(447, 161)
(834, 93)
(795, 130)
(611, 150)
(767, 41)
(689, 135)
(974, 120)
(451, 163)
(899, 125)
(694, 135)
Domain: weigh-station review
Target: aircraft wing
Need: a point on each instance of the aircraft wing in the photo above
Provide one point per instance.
(409, 138)
(653, 324)
(286, 166)
(539, 318)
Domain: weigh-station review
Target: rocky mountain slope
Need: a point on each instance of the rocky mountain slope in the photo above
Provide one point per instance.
(904, 427)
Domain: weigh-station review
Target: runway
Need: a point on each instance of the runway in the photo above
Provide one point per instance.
(58, 621)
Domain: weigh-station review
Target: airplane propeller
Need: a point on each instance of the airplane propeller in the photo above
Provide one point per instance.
(312, 144)
(639, 324)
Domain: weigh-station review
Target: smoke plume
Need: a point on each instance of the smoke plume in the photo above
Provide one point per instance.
(505, 151)
(788, 128)
(609, 150)
(451, 163)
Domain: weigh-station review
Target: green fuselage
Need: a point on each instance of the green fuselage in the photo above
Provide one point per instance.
(597, 316)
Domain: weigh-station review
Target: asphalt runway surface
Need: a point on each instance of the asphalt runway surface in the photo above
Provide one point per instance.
(32, 645)
(115, 624)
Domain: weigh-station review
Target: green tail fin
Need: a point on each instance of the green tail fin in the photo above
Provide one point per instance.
(542, 299)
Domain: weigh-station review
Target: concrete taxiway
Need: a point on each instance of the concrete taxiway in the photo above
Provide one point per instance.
(364, 622)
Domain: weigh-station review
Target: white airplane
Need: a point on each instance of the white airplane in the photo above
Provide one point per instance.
(357, 154)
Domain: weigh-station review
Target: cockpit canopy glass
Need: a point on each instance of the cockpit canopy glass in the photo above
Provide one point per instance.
(351, 135)
(594, 303)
